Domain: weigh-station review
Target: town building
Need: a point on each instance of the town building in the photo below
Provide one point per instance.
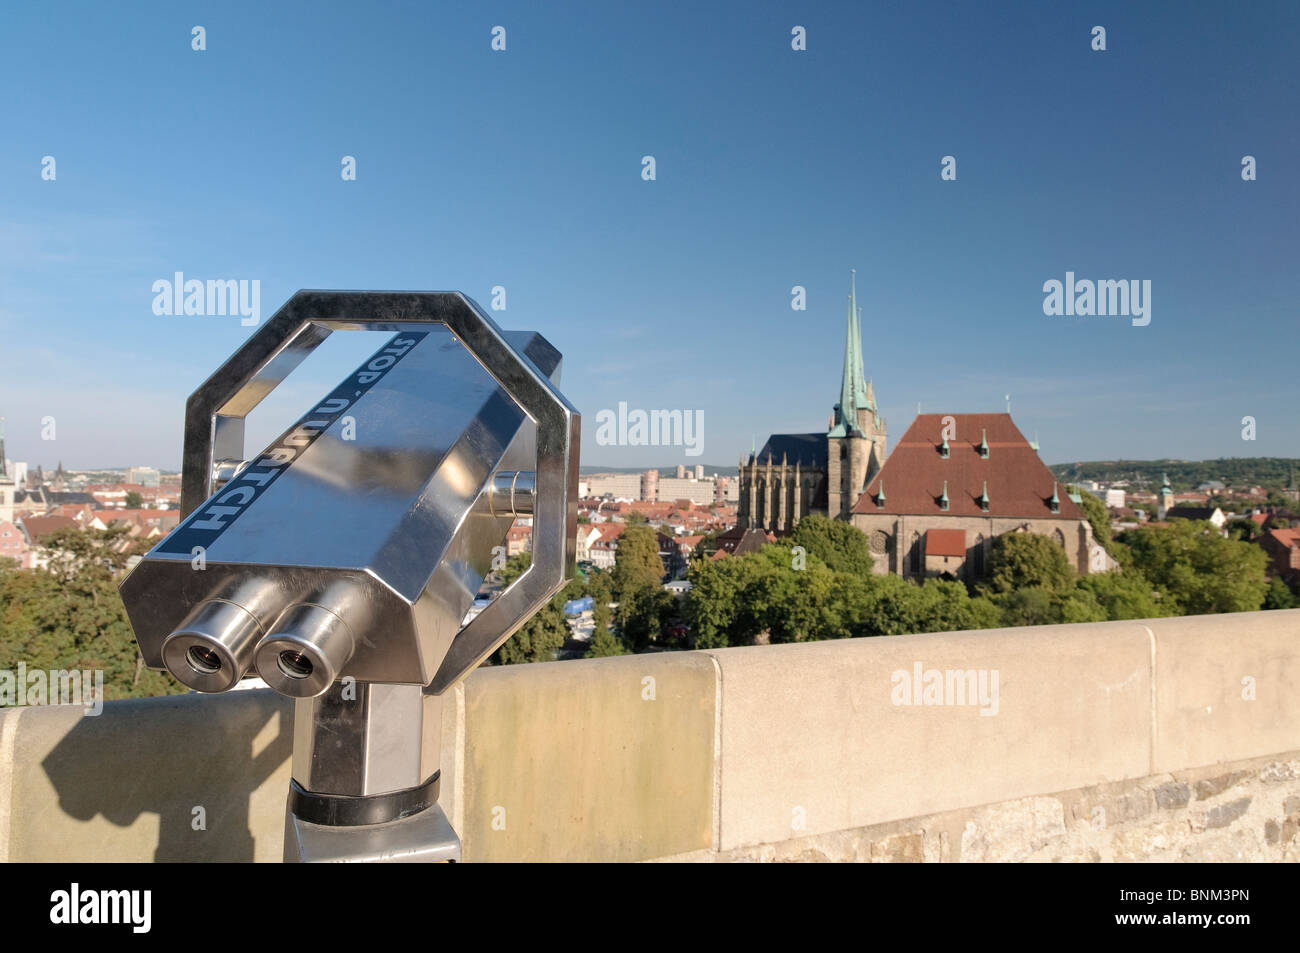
(620, 486)
(1283, 548)
(1183, 511)
(13, 544)
(144, 476)
(604, 551)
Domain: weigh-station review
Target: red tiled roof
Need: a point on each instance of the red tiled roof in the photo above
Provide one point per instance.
(610, 531)
(945, 542)
(38, 527)
(1290, 538)
(1019, 483)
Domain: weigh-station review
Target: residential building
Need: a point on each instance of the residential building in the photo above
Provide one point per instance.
(604, 550)
(519, 539)
(13, 545)
(1283, 548)
(1182, 512)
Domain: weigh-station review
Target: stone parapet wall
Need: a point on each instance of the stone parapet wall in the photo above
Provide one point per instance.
(1158, 739)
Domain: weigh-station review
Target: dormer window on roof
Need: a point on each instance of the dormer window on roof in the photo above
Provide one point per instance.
(943, 500)
(880, 494)
(1055, 501)
(984, 498)
(984, 445)
(943, 449)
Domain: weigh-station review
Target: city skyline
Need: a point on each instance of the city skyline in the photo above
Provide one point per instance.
(776, 169)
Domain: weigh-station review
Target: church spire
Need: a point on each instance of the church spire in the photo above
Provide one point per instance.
(854, 393)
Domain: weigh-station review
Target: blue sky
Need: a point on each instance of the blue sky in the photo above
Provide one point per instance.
(775, 168)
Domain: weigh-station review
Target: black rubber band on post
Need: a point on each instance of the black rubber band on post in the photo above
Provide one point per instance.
(342, 810)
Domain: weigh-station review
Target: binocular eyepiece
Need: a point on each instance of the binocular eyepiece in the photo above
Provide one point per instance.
(299, 653)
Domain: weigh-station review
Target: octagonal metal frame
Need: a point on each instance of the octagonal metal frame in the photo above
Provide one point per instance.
(214, 432)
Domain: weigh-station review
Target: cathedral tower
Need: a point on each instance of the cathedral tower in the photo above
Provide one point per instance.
(856, 441)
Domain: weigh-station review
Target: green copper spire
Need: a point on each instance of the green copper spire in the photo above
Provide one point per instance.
(1055, 501)
(854, 393)
(862, 389)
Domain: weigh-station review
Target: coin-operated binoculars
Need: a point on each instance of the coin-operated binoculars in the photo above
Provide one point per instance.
(340, 562)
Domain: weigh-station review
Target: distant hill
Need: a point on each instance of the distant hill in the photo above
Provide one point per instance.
(1268, 472)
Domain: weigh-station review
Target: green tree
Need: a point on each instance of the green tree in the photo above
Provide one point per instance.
(719, 607)
(1027, 561)
(603, 641)
(71, 617)
(605, 644)
(635, 518)
(1098, 516)
(1279, 596)
(134, 501)
(1197, 569)
(762, 597)
(637, 565)
(637, 580)
(1126, 594)
(1242, 529)
(538, 639)
(898, 606)
(840, 545)
(707, 546)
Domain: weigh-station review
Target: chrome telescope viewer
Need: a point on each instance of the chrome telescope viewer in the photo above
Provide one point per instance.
(339, 563)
